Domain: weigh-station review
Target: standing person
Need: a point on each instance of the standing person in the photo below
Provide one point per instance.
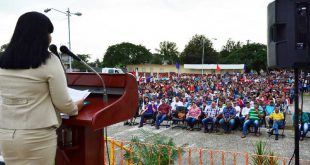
(33, 90)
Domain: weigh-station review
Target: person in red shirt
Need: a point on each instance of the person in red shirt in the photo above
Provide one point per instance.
(162, 113)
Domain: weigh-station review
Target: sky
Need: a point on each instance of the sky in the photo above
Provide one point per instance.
(143, 22)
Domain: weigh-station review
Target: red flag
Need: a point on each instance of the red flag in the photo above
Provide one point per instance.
(218, 68)
(133, 72)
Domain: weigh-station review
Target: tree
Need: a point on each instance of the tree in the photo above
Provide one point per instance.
(156, 59)
(96, 63)
(192, 54)
(126, 53)
(77, 65)
(228, 48)
(169, 52)
(253, 55)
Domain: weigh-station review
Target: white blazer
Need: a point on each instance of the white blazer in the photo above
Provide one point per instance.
(33, 98)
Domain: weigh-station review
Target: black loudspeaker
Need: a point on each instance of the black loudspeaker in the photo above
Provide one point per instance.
(288, 33)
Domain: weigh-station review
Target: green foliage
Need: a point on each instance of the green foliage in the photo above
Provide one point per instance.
(262, 155)
(193, 52)
(156, 59)
(159, 147)
(253, 55)
(169, 52)
(97, 63)
(228, 48)
(77, 65)
(126, 53)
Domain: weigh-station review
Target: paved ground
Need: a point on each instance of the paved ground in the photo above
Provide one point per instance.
(284, 147)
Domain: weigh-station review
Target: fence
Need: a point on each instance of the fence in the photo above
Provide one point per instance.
(127, 153)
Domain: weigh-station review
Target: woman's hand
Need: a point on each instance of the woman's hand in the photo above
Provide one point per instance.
(80, 104)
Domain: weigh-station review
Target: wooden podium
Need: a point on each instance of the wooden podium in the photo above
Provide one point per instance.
(80, 138)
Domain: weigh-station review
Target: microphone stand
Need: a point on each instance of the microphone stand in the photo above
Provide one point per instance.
(105, 96)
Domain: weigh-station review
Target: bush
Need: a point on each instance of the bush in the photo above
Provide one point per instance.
(262, 155)
(159, 149)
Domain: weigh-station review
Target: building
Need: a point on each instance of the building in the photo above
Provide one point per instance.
(187, 68)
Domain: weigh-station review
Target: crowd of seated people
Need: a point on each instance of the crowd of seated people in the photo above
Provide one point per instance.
(229, 101)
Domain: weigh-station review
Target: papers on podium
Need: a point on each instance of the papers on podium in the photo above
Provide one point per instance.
(76, 95)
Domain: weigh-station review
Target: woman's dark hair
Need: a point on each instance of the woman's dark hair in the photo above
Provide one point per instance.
(29, 44)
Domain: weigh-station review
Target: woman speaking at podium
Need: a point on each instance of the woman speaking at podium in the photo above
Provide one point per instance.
(33, 91)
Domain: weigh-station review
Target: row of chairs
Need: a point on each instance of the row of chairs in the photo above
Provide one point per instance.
(177, 119)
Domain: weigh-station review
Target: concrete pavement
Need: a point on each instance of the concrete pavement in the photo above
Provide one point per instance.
(284, 147)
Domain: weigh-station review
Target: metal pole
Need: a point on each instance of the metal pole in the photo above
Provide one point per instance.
(70, 59)
(296, 151)
(203, 55)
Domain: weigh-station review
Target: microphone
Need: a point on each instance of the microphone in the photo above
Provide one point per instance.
(53, 49)
(65, 50)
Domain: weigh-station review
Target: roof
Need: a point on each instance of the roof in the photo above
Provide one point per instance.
(213, 66)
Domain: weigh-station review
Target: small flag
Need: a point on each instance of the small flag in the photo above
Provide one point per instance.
(218, 68)
(177, 65)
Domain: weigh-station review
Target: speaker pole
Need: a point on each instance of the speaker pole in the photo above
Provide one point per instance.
(296, 151)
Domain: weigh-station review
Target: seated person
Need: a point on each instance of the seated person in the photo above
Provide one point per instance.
(254, 117)
(228, 120)
(244, 113)
(269, 110)
(211, 114)
(238, 112)
(193, 115)
(147, 112)
(278, 121)
(303, 121)
(162, 113)
(220, 116)
(176, 103)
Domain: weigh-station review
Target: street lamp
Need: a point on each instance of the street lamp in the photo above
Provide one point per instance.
(68, 14)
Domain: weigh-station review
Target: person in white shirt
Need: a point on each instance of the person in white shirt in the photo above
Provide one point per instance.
(211, 113)
(176, 103)
(244, 112)
(238, 112)
(237, 108)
